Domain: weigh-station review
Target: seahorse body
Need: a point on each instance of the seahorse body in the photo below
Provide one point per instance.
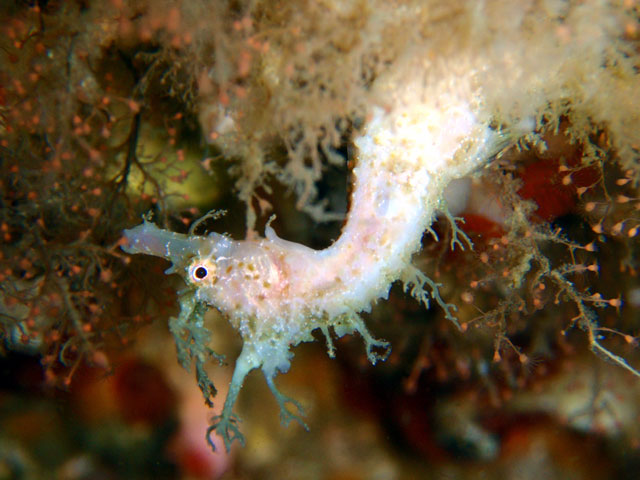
(276, 292)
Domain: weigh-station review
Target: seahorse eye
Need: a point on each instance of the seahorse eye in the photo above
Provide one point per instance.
(200, 273)
(202, 269)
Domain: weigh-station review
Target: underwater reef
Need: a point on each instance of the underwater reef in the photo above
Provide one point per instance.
(454, 182)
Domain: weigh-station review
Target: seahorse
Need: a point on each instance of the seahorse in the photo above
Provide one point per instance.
(276, 293)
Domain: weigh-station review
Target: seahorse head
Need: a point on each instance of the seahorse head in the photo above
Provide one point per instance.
(242, 279)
